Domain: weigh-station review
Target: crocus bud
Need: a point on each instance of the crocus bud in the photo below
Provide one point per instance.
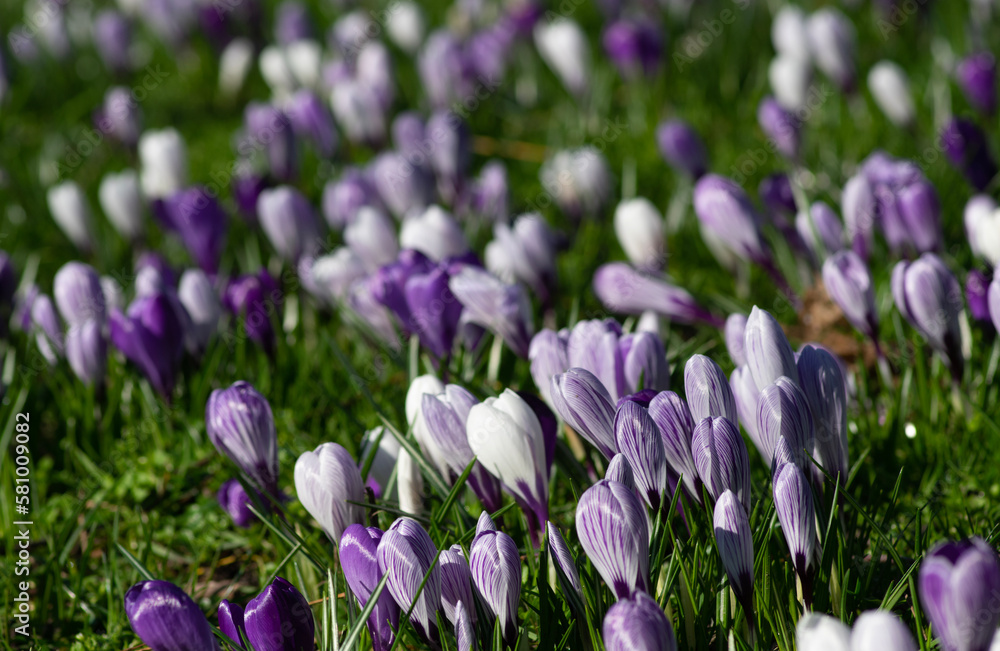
(639, 228)
(122, 202)
(202, 304)
(930, 298)
(823, 385)
(768, 353)
(621, 288)
(231, 620)
(151, 336)
(644, 362)
(578, 180)
(344, 197)
(506, 437)
(734, 333)
(858, 205)
(637, 623)
(500, 308)
(456, 582)
(435, 233)
(877, 630)
(163, 159)
(593, 345)
(450, 152)
(166, 619)
(490, 195)
(976, 286)
(775, 193)
(326, 481)
(240, 425)
(682, 147)
(359, 558)
(196, 216)
(820, 230)
(47, 328)
(673, 418)
(638, 438)
(119, 116)
(849, 284)
(405, 26)
(289, 222)
(620, 470)
(793, 501)
(559, 552)
(112, 38)
(549, 357)
(993, 300)
(496, 572)
(721, 459)
(729, 223)
(611, 525)
(78, 294)
(832, 43)
(311, 121)
(435, 312)
(707, 389)
(87, 350)
(819, 631)
(279, 618)
(745, 392)
(407, 554)
(784, 423)
(789, 33)
(69, 208)
(966, 146)
(634, 46)
(235, 63)
(780, 126)
(958, 584)
(735, 542)
(404, 188)
(976, 76)
(563, 46)
(359, 112)
(585, 405)
(410, 484)
(891, 90)
(524, 253)
(254, 296)
(790, 78)
(233, 499)
(982, 228)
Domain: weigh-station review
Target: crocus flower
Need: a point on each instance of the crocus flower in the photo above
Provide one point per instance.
(343, 197)
(119, 116)
(202, 304)
(877, 630)
(976, 75)
(585, 405)
(409, 484)
(578, 180)
(255, 297)
(402, 186)
(621, 288)
(637, 623)
(121, 200)
(489, 194)
(435, 233)
(890, 89)
(450, 152)
(87, 350)
(976, 286)
(327, 480)
(832, 42)
(235, 62)
(78, 294)
(958, 583)
(549, 357)
(734, 332)
(930, 298)
(278, 619)
(196, 216)
(819, 631)
(790, 78)
(966, 146)
(163, 158)
(506, 437)
(746, 393)
(784, 424)
(769, 355)
(820, 229)
(388, 284)
(151, 336)
(70, 210)
(793, 501)
(673, 418)
(456, 582)
(735, 542)
(524, 253)
(563, 46)
(359, 558)
(780, 126)
(433, 445)
(488, 302)
(166, 619)
(233, 499)
(858, 205)
(405, 25)
(824, 388)
(634, 46)
(496, 572)
(721, 459)
(620, 470)
(113, 38)
(789, 33)
(289, 222)
(638, 438)
(241, 426)
(372, 237)
(982, 228)
(639, 228)
(359, 112)
(445, 70)
(682, 147)
(407, 554)
(292, 22)
(907, 206)
(559, 552)
(707, 389)
(311, 121)
(849, 284)
(612, 527)
(44, 322)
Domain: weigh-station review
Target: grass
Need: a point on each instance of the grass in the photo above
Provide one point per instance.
(123, 482)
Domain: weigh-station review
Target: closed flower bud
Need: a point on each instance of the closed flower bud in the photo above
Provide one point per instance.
(746, 393)
(707, 389)
(549, 357)
(407, 554)
(289, 222)
(372, 237)
(359, 558)
(824, 388)
(976, 285)
(890, 88)
(405, 26)
(784, 423)
(163, 159)
(524, 253)
(456, 582)
(583, 402)
(151, 336)
(793, 501)
(790, 78)
(450, 152)
(563, 558)
(849, 284)
(235, 63)
(816, 631)
(311, 121)
(121, 200)
(490, 194)
(611, 525)
(634, 46)
(404, 188)
(45, 323)
(201, 302)
(71, 212)
(639, 228)
(197, 217)
(780, 126)
(240, 425)
(878, 630)
(730, 225)
(113, 38)
(857, 203)
(734, 332)
(500, 308)
(327, 480)
(735, 542)
(87, 350)
(166, 619)
(278, 619)
(620, 470)
(254, 297)
(344, 197)
(638, 438)
(233, 499)
(769, 355)
(930, 298)
(637, 624)
(721, 459)
(563, 45)
(435, 233)
(789, 33)
(496, 572)
(831, 40)
(621, 288)
(359, 112)
(579, 181)
(976, 76)
(821, 230)
(673, 418)
(78, 294)
(682, 147)
(982, 228)
(966, 146)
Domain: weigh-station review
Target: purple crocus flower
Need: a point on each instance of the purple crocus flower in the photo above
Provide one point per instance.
(673, 418)
(849, 284)
(246, 187)
(976, 285)
(292, 23)
(119, 116)
(372, 237)
(612, 527)
(269, 129)
(959, 583)
(775, 193)
(820, 230)
(456, 582)
(769, 355)
(489, 194)
(327, 480)
(78, 294)
(525, 253)
(311, 121)
(825, 390)
(746, 393)
(500, 308)
(734, 332)
(784, 424)
(166, 619)
(359, 558)
(966, 146)
(255, 297)
(233, 499)
(289, 222)
(402, 186)
(621, 288)
(707, 389)
(342, 198)
(721, 458)
(620, 470)
(113, 38)
(231, 621)
(87, 350)
(549, 357)
(434, 310)
(278, 619)
(388, 284)
(634, 46)
(637, 623)
(151, 336)
(585, 405)
(496, 572)
(241, 426)
(445, 69)
(833, 45)
(859, 208)
(793, 501)
(907, 207)
(196, 216)
(638, 438)
(976, 75)
(780, 126)
(449, 149)
(407, 554)
(682, 147)
(729, 223)
(569, 577)
(930, 298)
(735, 542)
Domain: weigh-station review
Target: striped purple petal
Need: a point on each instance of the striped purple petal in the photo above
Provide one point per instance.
(768, 353)
(165, 617)
(584, 403)
(327, 480)
(673, 418)
(735, 542)
(823, 385)
(465, 635)
(559, 551)
(279, 618)
(721, 458)
(734, 332)
(456, 582)
(707, 390)
(745, 393)
(639, 439)
(620, 470)
(793, 500)
(593, 346)
(638, 624)
(645, 362)
(611, 525)
(359, 560)
(785, 424)
(548, 357)
(496, 572)
(406, 553)
(241, 426)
